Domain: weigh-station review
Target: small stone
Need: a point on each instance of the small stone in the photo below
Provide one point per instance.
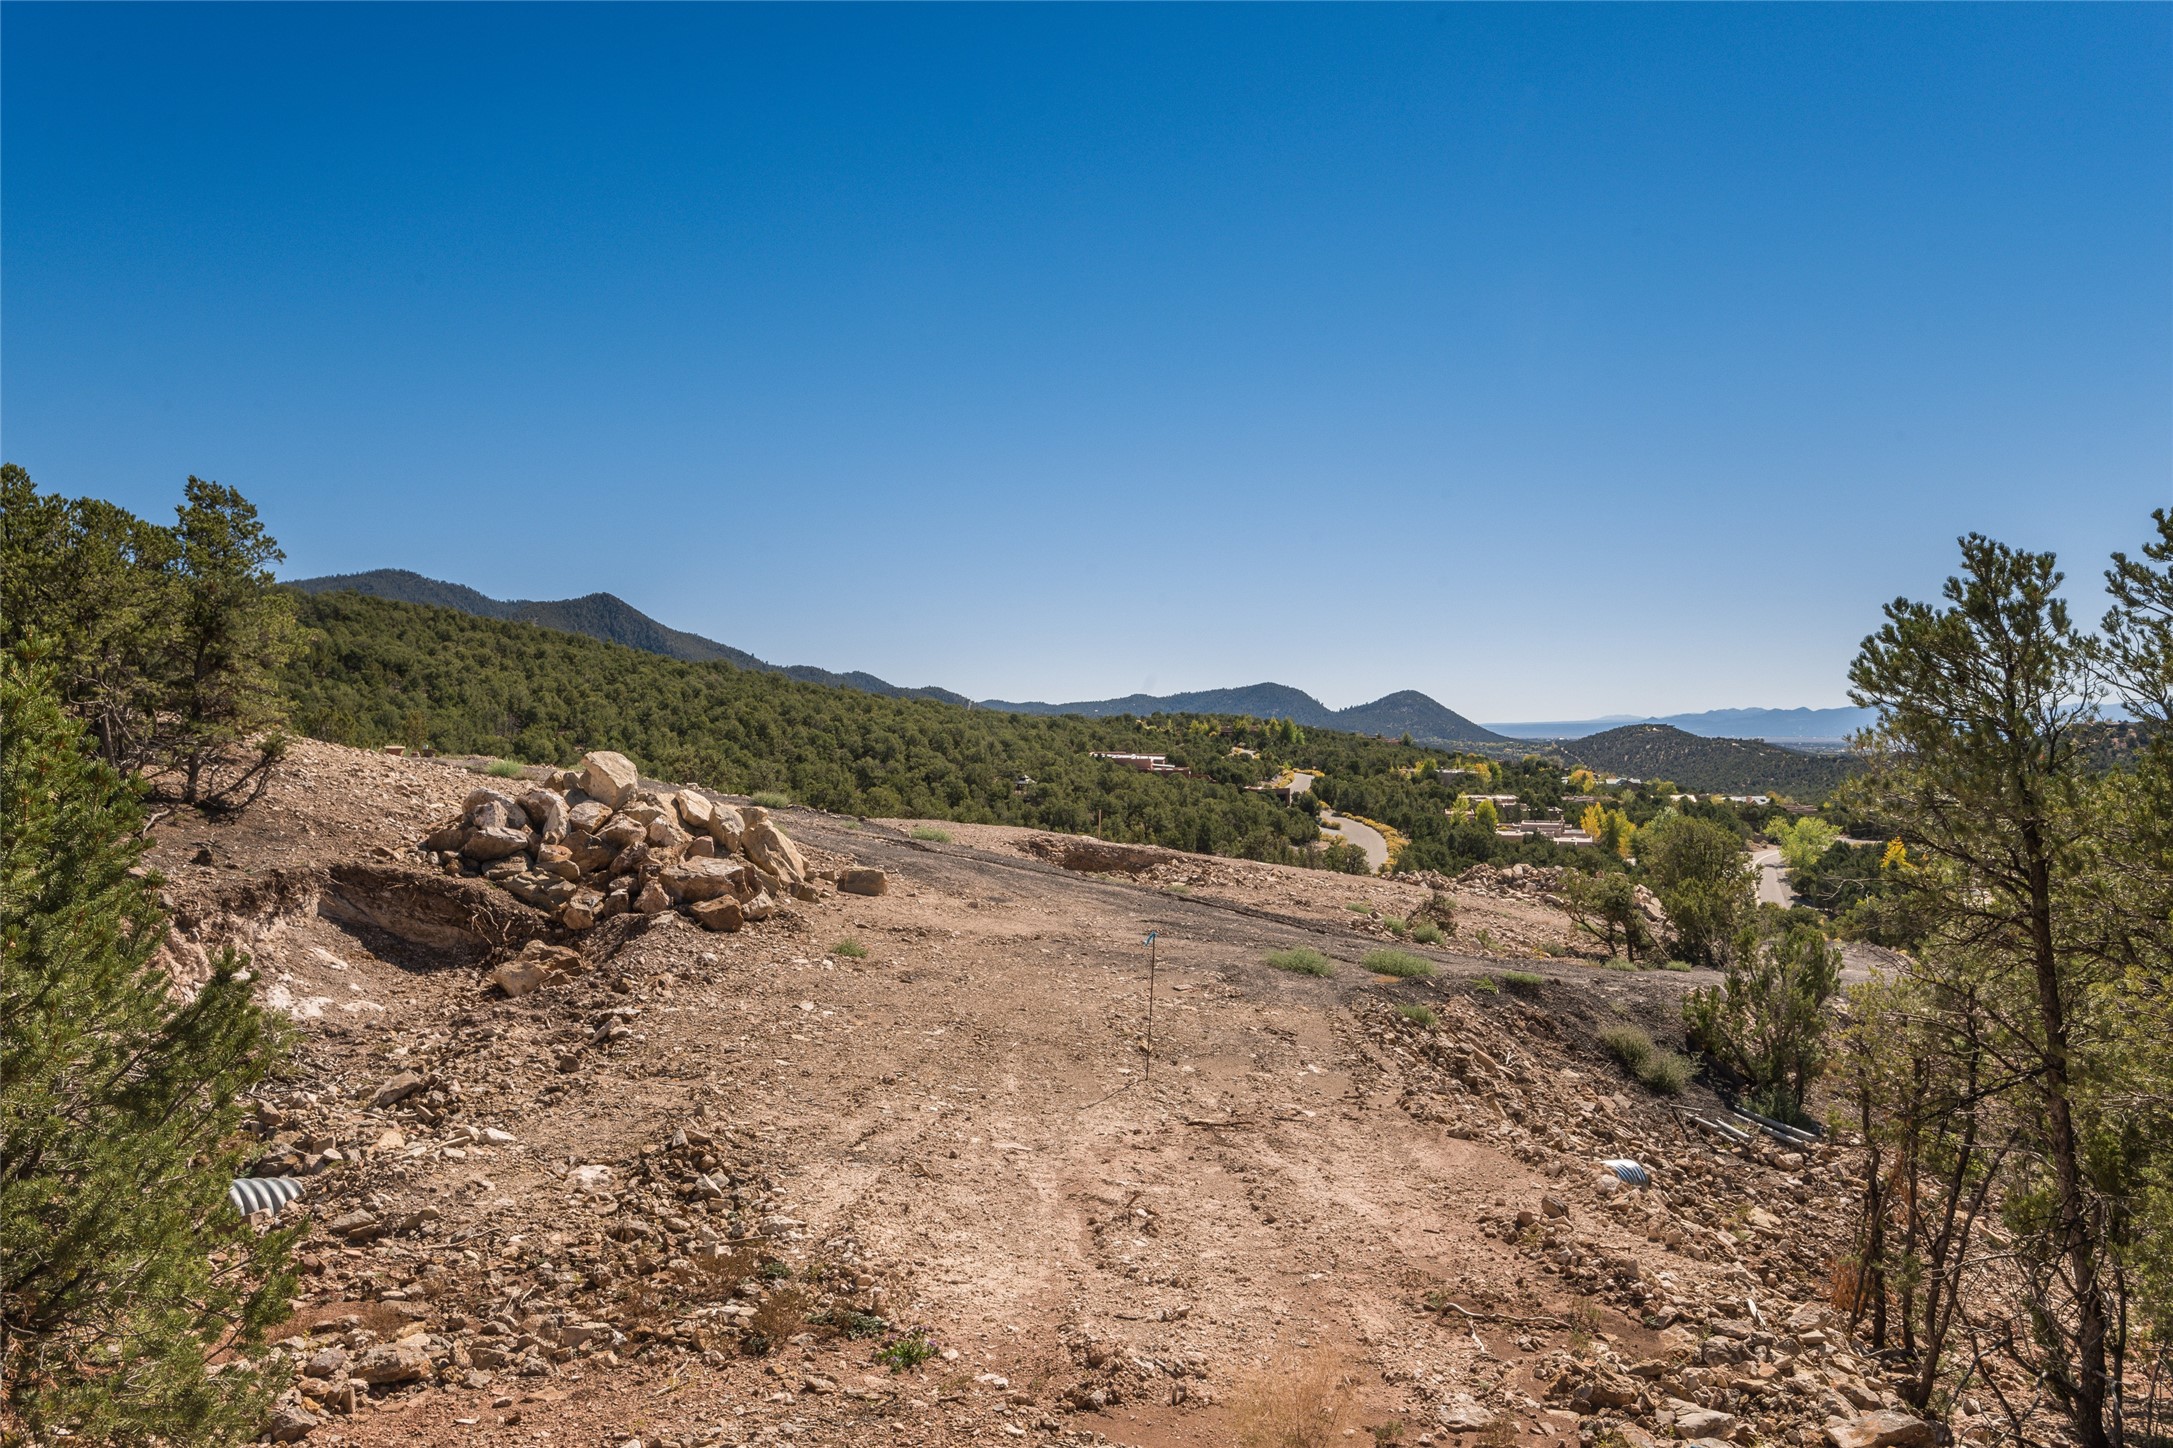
(652, 900)
(399, 1088)
(1884, 1428)
(863, 881)
(291, 1423)
(520, 977)
(1463, 1416)
(393, 1362)
(328, 1362)
(1704, 1423)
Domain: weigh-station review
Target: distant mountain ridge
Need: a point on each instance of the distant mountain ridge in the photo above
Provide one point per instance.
(1773, 724)
(1394, 715)
(1709, 766)
(599, 616)
(613, 620)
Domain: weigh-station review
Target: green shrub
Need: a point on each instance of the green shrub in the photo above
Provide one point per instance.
(1302, 960)
(908, 1349)
(1427, 933)
(504, 769)
(931, 834)
(859, 1325)
(850, 948)
(1419, 1016)
(1400, 963)
(771, 799)
(1486, 984)
(1523, 982)
(1677, 965)
(1397, 927)
(1360, 907)
(126, 1271)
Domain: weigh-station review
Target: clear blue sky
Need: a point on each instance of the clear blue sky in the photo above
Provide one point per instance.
(1556, 362)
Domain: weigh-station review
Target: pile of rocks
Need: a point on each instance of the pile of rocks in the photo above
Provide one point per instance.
(591, 843)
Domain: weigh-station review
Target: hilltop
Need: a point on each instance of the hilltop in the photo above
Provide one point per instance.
(1718, 766)
(602, 616)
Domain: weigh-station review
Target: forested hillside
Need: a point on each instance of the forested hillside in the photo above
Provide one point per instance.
(1717, 766)
(602, 616)
(377, 671)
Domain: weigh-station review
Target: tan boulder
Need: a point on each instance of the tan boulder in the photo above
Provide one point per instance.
(557, 860)
(622, 830)
(863, 881)
(652, 900)
(547, 812)
(761, 907)
(696, 878)
(394, 1362)
(1885, 1428)
(588, 815)
(702, 847)
(609, 776)
(770, 850)
(722, 913)
(726, 826)
(695, 811)
(483, 795)
(445, 837)
(494, 843)
(579, 913)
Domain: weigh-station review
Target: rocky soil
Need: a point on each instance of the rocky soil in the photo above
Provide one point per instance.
(901, 1167)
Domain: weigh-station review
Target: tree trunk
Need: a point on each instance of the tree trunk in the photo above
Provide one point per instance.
(2088, 1385)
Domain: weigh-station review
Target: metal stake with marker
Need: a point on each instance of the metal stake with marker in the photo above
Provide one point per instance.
(1151, 935)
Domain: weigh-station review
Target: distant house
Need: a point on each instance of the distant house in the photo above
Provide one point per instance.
(1144, 763)
(1555, 830)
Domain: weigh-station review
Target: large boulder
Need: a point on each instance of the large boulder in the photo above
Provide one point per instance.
(695, 811)
(495, 842)
(547, 812)
(483, 795)
(771, 852)
(698, 878)
(609, 776)
(862, 880)
(726, 826)
(722, 913)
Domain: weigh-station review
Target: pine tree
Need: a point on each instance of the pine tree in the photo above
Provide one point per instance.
(123, 1269)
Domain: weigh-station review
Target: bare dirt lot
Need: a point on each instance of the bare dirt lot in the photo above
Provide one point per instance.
(721, 1188)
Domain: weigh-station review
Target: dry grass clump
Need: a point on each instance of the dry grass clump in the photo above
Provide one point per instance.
(1302, 960)
(1661, 1070)
(1299, 1402)
(778, 1318)
(1399, 963)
